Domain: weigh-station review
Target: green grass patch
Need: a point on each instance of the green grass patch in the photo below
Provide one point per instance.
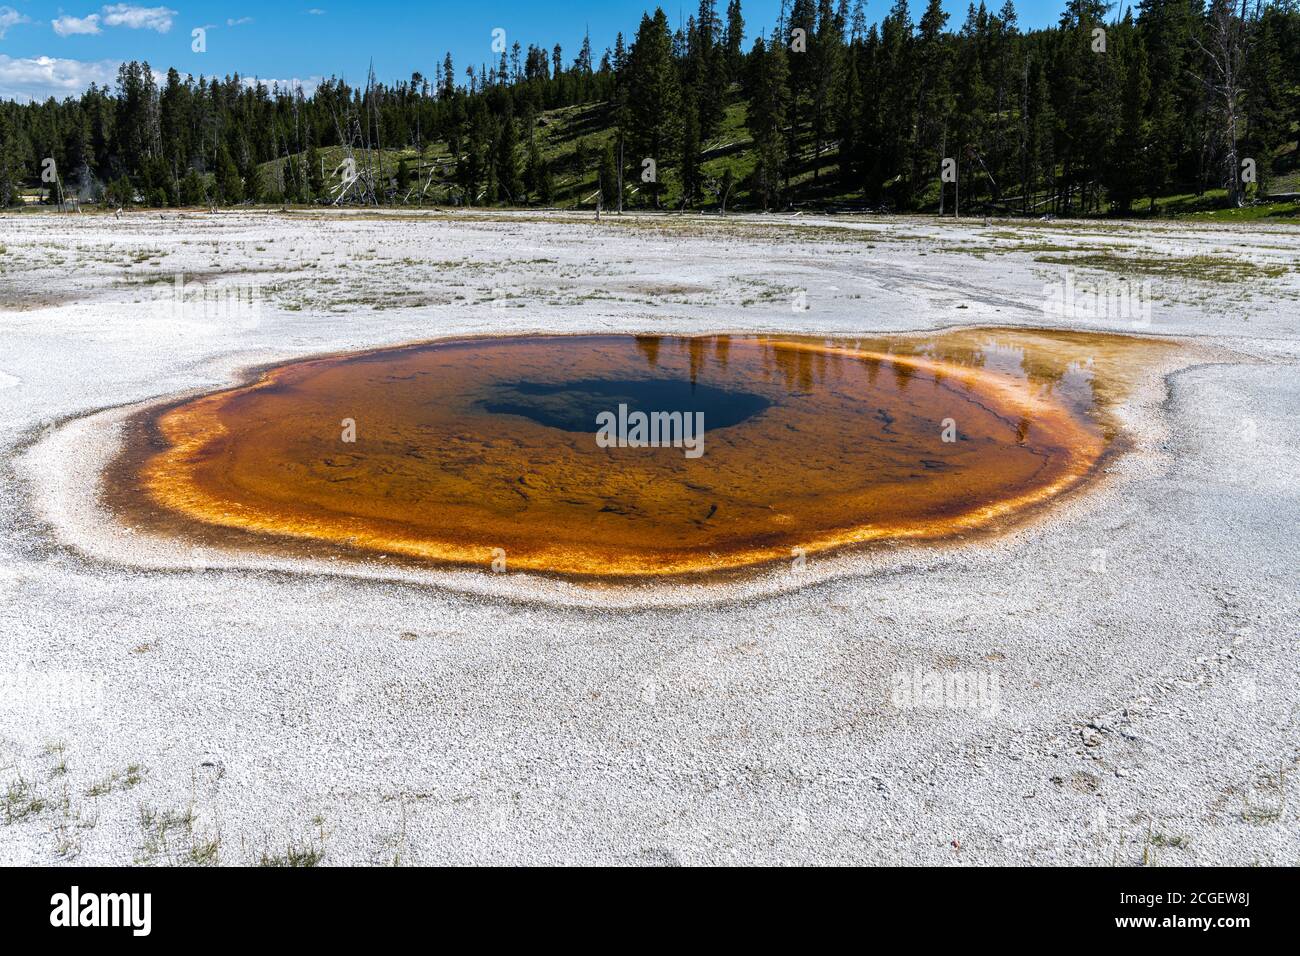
(1203, 268)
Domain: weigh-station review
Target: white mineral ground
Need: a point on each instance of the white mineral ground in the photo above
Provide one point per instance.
(160, 704)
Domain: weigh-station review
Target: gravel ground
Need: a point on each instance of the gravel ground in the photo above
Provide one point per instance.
(1125, 668)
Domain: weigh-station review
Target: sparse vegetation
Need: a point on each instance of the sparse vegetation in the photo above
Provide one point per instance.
(123, 780)
(169, 836)
(294, 855)
(1266, 801)
(21, 801)
(1202, 268)
(307, 852)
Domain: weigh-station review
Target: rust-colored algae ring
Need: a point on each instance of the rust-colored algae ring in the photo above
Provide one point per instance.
(459, 452)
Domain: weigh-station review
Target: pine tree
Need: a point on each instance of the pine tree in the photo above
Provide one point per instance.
(448, 79)
(934, 101)
(799, 46)
(506, 161)
(1176, 105)
(827, 56)
(472, 164)
(1004, 54)
(121, 193)
(654, 100)
(254, 185)
(10, 169)
(1037, 133)
(533, 167)
(608, 178)
(707, 70)
(315, 175)
(1085, 103)
(230, 189)
(1267, 115)
(733, 40)
(194, 191)
(868, 136)
(767, 85)
(849, 123)
(858, 23)
(691, 173)
(1125, 175)
(897, 105)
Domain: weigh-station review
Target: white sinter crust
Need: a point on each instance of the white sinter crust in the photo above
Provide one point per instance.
(473, 718)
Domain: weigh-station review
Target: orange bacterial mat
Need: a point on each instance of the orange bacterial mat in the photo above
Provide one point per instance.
(472, 451)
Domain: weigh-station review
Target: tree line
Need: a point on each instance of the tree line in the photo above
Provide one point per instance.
(1100, 113)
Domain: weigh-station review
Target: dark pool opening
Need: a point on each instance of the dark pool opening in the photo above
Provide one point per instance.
(573, 406)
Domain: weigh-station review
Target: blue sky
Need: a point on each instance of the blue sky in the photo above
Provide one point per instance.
(58, 48)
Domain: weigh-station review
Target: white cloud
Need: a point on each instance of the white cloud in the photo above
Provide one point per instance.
(10, 17)
(316, 12)
(232, 22)
(72, 26)
(39, 78)
(158, 19)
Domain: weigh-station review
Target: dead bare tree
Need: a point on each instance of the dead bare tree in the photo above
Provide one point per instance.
(374, 154)
(1226, 52)
(356, 183)
(720, 187)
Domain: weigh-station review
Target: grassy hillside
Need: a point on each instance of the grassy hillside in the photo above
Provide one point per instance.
(572, 141)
